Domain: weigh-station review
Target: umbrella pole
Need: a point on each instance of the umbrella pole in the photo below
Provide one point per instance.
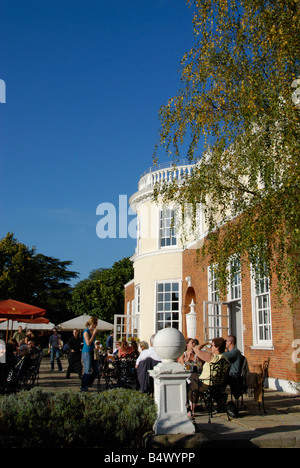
(7, 331)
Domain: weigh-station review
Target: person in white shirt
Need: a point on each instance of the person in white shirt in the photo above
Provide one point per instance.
(150, 352)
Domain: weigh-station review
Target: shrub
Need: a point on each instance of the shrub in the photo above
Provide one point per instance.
(68, 419)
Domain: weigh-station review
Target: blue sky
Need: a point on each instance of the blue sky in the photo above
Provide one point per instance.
(84, 82)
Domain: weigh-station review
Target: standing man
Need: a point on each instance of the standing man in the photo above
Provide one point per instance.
(110, 341)
(19, 335)
(74, 345)
(54, 351)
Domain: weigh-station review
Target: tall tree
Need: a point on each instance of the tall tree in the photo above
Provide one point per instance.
(239, 116)
(52, 287)
(16, 269)
(102, 294)
(34, 278)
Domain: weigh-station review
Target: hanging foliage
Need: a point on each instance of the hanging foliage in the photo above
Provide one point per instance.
(237, 115)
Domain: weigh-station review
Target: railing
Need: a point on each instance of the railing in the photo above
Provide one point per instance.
(166, 172)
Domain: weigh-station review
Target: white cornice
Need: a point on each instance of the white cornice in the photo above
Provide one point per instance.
(155, 253)
(140, 197)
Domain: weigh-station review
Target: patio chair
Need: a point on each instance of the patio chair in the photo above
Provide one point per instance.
(31, 376)
(216, 388)
(145, 380)
(119, 372)
(110, 371)
(256, 382)
(238, 384)
(127, 373)
(14, 380)
(264, 375)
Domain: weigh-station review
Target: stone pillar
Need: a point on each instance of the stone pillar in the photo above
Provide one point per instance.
(170, 384)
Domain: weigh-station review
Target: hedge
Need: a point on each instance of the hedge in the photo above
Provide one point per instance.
(117, 417)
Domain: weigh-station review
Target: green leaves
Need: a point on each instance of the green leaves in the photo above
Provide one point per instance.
(236, 114)
(102, 294)
(34, 278)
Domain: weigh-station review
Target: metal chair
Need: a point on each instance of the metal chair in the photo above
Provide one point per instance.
(238, 384)
(216, 389)
(120, 372)
(146, 382)
(264, 375)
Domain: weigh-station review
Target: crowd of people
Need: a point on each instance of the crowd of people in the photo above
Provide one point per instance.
(199, 361)
(86, 355)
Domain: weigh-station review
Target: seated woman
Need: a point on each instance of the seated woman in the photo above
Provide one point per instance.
(135, 351)
(189, 357)
(210, 357)
(201, 383)
(124, 350)
(144, 345)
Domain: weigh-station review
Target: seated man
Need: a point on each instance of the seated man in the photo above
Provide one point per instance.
(236, 380)
(33, 350)
(234, 356)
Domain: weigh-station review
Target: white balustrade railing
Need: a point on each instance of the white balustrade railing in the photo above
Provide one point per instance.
(165, 174)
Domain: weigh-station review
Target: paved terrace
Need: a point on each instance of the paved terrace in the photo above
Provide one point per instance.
(279, 428)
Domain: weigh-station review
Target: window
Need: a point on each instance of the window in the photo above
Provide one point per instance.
(167, 230)
(235, 286)
(167, 305)
(214, 319)
(261, 311)
(137, 299)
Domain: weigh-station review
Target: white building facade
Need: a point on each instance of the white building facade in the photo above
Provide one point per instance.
(169, 289)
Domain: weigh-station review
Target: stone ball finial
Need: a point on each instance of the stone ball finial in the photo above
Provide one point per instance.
(169, 343)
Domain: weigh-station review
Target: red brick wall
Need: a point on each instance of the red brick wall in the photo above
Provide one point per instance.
(128, 296)
(285, 322)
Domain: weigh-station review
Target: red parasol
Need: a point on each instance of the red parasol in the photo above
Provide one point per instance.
(36, 320)
(15, 310)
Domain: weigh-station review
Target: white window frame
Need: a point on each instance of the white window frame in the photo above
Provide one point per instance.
(261, 312)
(167, 228)
(214, 306)
(161, 309)
(235, 286)
(137, 297)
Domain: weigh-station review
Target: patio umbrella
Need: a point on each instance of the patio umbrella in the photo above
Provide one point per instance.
(36, 320)
(15, 310)
(34, 325)
(80, 324)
